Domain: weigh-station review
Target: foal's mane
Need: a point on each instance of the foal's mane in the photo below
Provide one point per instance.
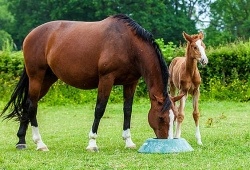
(147, 36)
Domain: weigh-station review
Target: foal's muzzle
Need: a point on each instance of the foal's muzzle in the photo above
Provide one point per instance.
(203, 61)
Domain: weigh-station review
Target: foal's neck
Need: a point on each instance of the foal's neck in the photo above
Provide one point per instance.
(191, 62)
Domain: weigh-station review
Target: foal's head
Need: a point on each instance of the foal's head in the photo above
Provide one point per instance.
(196, 47)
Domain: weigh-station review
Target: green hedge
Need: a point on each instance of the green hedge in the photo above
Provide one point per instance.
(226, 77)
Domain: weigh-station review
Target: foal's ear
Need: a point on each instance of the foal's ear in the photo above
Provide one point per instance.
(187, 37)
(201, 35)
(160, 100)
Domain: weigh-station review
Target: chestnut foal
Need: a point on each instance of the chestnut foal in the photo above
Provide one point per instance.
(185, 76)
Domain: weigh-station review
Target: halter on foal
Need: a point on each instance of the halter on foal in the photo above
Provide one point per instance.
(185, 76)
(87, 55)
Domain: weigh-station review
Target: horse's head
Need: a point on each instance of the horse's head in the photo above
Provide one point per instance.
(196, 47)
(160, 121)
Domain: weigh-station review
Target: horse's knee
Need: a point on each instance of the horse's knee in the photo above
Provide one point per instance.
(196, 116)
(180, 117)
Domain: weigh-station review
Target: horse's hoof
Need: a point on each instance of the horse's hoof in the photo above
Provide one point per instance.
(42, 149)
(21, 146)
(93, 149)
(131, 147)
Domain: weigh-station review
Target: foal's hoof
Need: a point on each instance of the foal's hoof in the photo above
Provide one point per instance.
(21, 146)
(92, 149)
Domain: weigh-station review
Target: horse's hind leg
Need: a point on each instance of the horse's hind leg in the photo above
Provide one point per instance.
(22, 129)
(196, 115)
(38, 87)
(48, 80)
(128, 93)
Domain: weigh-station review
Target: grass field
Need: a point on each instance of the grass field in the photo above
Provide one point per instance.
(64, 129)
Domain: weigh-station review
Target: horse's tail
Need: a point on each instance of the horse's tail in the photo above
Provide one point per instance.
(18, 99)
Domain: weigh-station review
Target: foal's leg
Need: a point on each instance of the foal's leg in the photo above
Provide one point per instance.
(128, 93)
(181, 114)
(172, 88)
(104, 89)
(196, 115)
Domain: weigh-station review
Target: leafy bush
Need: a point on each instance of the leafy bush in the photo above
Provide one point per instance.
(226, 77)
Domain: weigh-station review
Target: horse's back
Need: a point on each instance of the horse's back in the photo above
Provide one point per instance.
(82, 50)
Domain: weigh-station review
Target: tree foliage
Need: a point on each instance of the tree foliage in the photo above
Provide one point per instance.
(230, 19)
(166, 19)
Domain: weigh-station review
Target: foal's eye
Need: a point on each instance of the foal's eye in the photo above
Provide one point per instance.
(195, 48)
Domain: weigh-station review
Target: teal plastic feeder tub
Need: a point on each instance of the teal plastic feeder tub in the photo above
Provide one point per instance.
(154, 145)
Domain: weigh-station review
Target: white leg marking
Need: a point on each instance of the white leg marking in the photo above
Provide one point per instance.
(127, 137)
(198, 135)
(171, 124)
(178, 130)
(92, 142)
(38, 140)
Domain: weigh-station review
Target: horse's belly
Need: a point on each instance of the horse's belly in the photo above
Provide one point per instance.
(77, 76)
(87, 83)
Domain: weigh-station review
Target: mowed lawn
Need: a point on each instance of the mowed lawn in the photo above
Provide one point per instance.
(225, 130)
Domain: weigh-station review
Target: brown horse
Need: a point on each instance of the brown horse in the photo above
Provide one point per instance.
(185, 76)
(87, 55)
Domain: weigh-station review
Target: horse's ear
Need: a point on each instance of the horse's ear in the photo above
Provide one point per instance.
(201, 35)
(176, 98)
(186, 36)
(160, 100)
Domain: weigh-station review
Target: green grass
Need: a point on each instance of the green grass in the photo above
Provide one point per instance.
(64, 129)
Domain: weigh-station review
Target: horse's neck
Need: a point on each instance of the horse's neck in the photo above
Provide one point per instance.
(151, 73)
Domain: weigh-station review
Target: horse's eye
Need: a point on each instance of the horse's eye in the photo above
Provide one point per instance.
(161, 119)
(195, 48)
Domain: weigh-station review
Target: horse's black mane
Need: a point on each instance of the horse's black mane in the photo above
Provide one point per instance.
(147, 36)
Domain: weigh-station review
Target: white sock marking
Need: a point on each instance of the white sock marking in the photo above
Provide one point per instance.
(127, 137)
(92, 141)
(38, 139)
(198, 135)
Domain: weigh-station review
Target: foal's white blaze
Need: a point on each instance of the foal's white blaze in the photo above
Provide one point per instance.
(92, 141)
(171, 124)
(204, 59)
(127, 137)
(198, 135)
(38, 140)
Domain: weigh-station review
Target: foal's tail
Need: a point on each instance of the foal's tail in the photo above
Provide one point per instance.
(18, 99)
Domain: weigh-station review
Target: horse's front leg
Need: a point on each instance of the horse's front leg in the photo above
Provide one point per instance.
(196, 115)
(99, 111)
(128, 94)
(104, 89)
